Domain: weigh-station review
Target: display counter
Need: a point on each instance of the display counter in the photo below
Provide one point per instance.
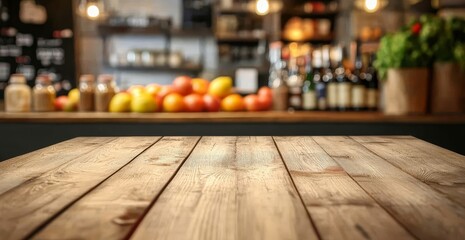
(25, 132)
(226, 117)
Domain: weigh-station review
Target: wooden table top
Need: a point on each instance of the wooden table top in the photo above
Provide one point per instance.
(396, 187)
(232, 117)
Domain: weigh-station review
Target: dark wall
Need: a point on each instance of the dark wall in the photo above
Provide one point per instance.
(20, 138)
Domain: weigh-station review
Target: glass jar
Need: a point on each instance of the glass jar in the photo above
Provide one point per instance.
(86, 93)
(18, 95)
(43, 95)
(104, 92)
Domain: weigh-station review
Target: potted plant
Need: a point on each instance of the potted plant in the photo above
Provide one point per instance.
(402, 60)
(447, 39)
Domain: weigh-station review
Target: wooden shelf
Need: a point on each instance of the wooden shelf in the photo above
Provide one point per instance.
(303, 14)
(127, 30)
(184, 68)
(315, 40)
(239, 39)
(235, 10)
(239, 117)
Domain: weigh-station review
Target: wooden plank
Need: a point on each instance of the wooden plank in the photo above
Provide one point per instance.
(433, 150)
(119, 202)
(229, 188)
(31, 204)
(26, 167)
(427, 164)
(425, 213)
(234, 117)
(337, 204)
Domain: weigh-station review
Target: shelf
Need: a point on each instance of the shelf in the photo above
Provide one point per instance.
(181, 69)
(316, 40)
(239, 39)
(236, 10)
(127, 30)
(303, 14)
(239, 117)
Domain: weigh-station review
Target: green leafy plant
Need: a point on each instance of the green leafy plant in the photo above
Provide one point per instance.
(421, 42)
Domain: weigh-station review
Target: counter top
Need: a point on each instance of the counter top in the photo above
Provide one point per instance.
(377, 187)
(270, 117)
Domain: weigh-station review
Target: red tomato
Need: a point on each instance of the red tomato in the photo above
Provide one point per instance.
(416, 28)
(252, 103)
(265, 91)
(265, 102)
(183, 85)
(60, 102)
(211, 103)
(193, 103)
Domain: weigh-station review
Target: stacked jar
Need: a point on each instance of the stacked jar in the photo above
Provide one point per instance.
(18, 95)
(104, 92)
(43, 95)
(86, 93)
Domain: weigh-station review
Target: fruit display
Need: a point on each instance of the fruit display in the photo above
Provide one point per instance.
(185, 94)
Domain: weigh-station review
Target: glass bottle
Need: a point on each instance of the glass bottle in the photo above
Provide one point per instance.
(104, 92)
(18, 95)
(86, 93)
(358, 93)
(294, 83)
(372, 86)
(278, 77)
(43, 95)
(308, 89)
(343, 89)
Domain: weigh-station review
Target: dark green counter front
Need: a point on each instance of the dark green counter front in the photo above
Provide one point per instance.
(25, 132)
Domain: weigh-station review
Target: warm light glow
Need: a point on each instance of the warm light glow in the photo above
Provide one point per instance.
(262, 7)
(371, 5)
(92, 11)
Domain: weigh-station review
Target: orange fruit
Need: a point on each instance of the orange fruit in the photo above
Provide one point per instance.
(200, 86)
(233, 103)
(173, 102)
(153, 89)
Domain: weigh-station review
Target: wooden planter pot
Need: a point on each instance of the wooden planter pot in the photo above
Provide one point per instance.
(406, 91)
(448, 89)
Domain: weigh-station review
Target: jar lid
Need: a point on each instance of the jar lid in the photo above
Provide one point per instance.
(87, 78)
(17, 78)
(105, 78)
(43, 79)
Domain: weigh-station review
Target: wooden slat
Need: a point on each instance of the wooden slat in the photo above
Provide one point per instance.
(229, 188)
(29, 205)
(428, 165)
(425, 212)
(111, 210)
(433, 150)
(337, 204)
(26, 167)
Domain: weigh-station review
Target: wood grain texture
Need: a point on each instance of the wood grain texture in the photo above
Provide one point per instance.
(433, 150)
(233, 117)
(29, 166)
(112, 209)
(425, 213)
(31, 204)
(430, 166)
(229, 188)
(337, 204)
